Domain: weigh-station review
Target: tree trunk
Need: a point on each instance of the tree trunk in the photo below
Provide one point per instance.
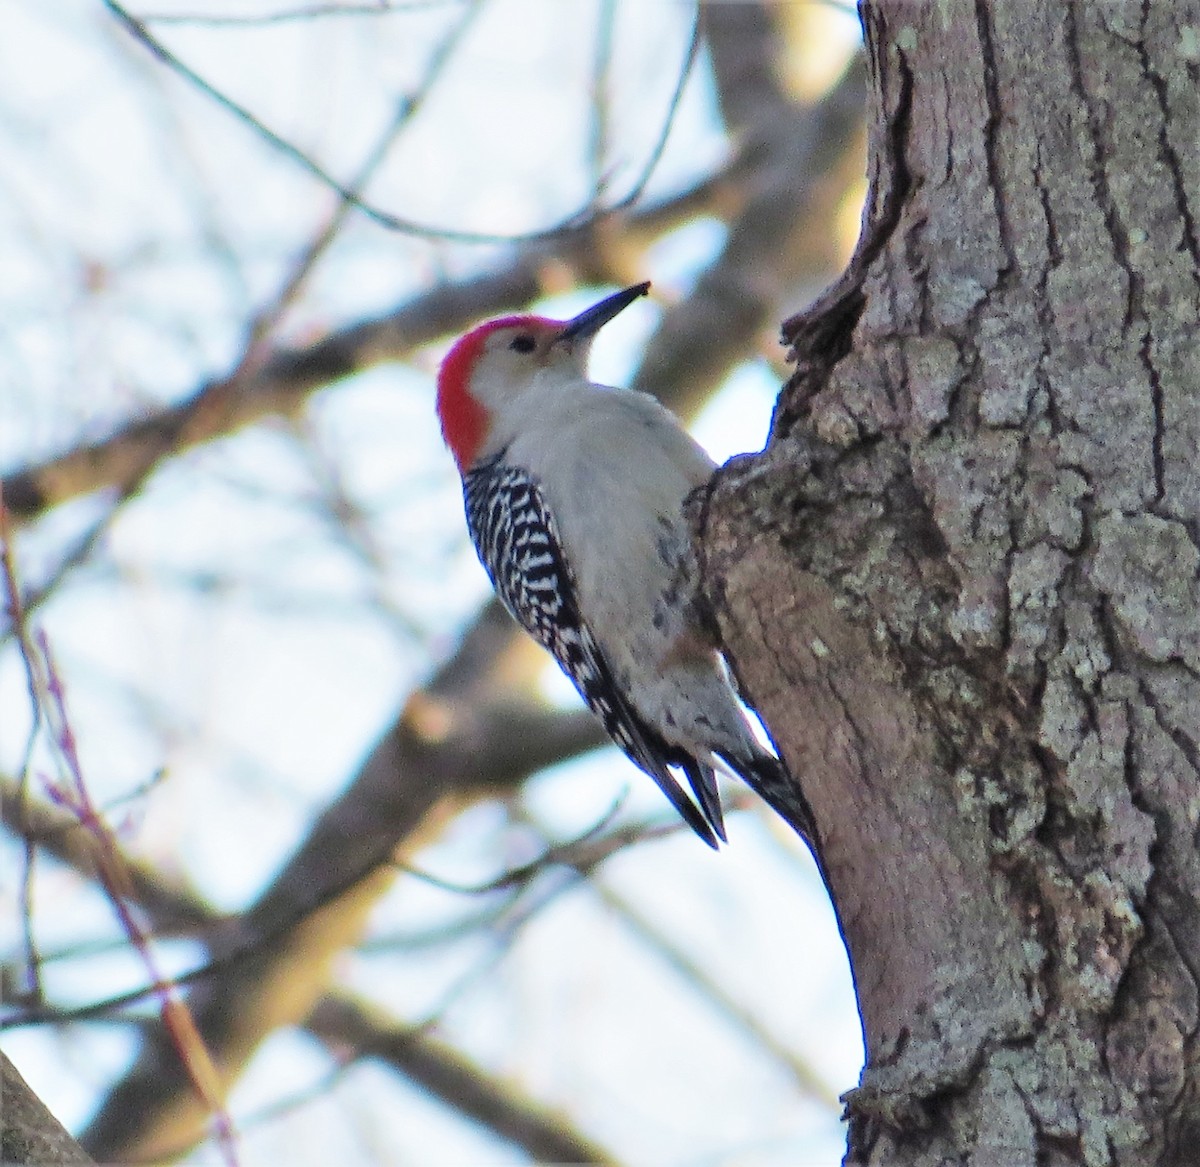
(29, 1134)
(960, 585)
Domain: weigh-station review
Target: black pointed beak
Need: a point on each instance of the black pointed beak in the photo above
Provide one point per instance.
(591, 320)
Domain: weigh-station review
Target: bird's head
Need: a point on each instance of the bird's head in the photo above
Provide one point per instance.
(501, 360)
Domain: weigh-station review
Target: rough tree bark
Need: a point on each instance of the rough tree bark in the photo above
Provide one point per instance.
(960, 584)
(29, 1133)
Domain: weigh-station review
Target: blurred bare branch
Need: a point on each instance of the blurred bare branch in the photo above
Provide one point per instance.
(774, 241)
(300, 13)
(697, 343)
(279, 384)
(443, 1071)
(449, 743)
(349, 194)
(466, 734)
(350, 1029)
(693, 973)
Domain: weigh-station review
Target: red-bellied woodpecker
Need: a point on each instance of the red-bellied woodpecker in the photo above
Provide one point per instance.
(574, 496)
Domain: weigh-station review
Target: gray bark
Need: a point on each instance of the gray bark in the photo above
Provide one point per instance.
(960, 584)
(29, 1134)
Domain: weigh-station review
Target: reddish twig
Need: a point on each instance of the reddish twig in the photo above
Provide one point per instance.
(17, 622)
(49, 703)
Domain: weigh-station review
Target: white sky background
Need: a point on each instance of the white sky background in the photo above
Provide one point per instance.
(228, 639)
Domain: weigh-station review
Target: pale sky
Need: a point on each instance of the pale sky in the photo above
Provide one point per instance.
(229, 654)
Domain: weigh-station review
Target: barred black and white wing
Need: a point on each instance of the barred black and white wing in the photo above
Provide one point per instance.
(518, 543)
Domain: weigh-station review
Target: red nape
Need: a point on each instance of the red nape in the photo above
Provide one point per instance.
(464, 420)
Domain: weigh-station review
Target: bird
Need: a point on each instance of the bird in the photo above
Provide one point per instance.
(574, 495)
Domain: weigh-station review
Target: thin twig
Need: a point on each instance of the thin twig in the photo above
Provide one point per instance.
(584, 859)
(293, 15)
(406, 109)
(598, 144)
(589, 847)
(264, 321)
(685, 71)
(573, 222)
(48, 698)
(352, 1031)
(18, 624)
(114, 879)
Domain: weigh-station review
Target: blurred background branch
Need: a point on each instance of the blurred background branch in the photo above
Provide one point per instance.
(233, 518)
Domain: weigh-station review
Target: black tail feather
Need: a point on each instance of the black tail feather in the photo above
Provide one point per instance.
(703, 781)
(696, 817)
(769, 778)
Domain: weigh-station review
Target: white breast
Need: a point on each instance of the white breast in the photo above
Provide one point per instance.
(615, 468)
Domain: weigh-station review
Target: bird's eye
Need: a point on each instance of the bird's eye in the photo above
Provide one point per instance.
(523, 343)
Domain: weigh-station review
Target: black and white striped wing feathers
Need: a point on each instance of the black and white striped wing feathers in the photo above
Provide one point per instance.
(518, 543)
